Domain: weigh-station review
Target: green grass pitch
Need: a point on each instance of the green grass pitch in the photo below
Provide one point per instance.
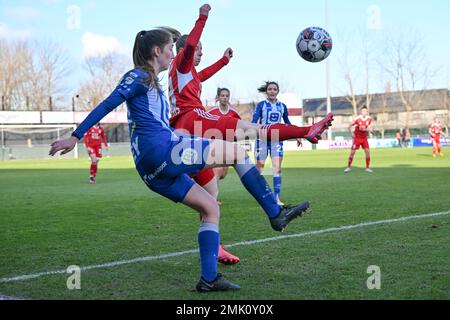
(52, 218)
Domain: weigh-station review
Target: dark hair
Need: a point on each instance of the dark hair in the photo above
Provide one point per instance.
(174, 32)
(219, 91)
(265, 86)
(181, 42)
(144, 44)
(364, 107)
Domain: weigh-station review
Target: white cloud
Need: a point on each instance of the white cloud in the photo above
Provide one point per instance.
(22, 13)
(100, 45)
(14, 34)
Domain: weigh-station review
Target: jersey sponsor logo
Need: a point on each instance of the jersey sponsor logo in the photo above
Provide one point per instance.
(148, 178)
(274, 117)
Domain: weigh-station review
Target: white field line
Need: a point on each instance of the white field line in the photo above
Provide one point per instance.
(244, 243)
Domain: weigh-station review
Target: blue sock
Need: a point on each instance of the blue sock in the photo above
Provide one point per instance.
(277, 184)
(208, 241)
(257, 186)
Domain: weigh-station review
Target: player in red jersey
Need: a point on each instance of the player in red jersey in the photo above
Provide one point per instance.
(362, 124)
(190, 116)
(435, 134)
(93, 141)
(223, 109)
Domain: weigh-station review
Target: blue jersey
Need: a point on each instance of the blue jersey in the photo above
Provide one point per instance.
(148, 114)
(270, 113)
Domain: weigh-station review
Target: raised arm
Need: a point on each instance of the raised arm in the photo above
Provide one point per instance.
(208, 72)
(185, 59)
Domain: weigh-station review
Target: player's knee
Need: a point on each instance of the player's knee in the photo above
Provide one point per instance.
(210, 211)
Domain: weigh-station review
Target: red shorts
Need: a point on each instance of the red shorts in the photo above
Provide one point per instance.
(360, 142)
(200, 123)
(95, 151)
(436, 139)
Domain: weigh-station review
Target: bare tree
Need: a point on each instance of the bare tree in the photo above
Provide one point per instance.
(31, 74)
(103, 75)
(13, 55)
(404, 63)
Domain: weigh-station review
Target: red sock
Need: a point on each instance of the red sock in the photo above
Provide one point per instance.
(93, 170)
(281, 132)
(367, 162)
(439, 150)
(434, 150)
(350, 161)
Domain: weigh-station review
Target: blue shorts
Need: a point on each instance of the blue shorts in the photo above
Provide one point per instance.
(166, 171)
(262, 149)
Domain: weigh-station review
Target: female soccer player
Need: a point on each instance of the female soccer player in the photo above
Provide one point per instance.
(362, 124)
(271, 111)
(163, 159)
(189, 115)
(436, 132)
(223, 109)
(93, 141)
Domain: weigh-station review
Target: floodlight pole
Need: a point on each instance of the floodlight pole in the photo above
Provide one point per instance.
(328, 73)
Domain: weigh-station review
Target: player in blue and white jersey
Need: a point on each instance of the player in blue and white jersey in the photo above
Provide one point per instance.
(267, 112)
(164, 159)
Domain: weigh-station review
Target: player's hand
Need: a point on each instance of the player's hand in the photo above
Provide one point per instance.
(205, 9)
(66, 145)
(299, 143)
(228, 53)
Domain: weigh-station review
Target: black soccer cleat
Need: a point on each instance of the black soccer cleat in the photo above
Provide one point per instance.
(220, 284)
(287, 214)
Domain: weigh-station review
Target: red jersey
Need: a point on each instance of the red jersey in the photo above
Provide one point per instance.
(361, 126)
(185, 84)
(94, 137)
(435, 130)
(216, 111)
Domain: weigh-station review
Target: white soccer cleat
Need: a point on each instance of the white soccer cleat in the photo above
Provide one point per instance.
(348, 170)
(368, 170)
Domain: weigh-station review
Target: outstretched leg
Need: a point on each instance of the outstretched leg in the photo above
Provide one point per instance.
(223, 153)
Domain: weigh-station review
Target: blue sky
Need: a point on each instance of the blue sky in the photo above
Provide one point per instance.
(262, 33)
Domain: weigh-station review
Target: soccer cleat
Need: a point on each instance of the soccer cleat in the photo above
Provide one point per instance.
(434, 156)
(287, 214)
(227, 258)
(220, 284)
(441, 155)
(92, 180)
(368, 170)
(348, 170)
(316, 130)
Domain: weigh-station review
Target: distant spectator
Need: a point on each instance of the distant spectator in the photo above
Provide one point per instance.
(407, 138)
(398, 136)
(403, 134)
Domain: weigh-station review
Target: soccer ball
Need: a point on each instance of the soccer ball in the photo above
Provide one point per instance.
(314, 44)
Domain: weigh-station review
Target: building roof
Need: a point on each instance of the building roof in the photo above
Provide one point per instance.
(436, 99)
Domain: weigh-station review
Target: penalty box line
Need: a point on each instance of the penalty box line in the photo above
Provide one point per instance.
(244, 243)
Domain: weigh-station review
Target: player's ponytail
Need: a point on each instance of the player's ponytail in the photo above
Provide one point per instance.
(143, 51)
